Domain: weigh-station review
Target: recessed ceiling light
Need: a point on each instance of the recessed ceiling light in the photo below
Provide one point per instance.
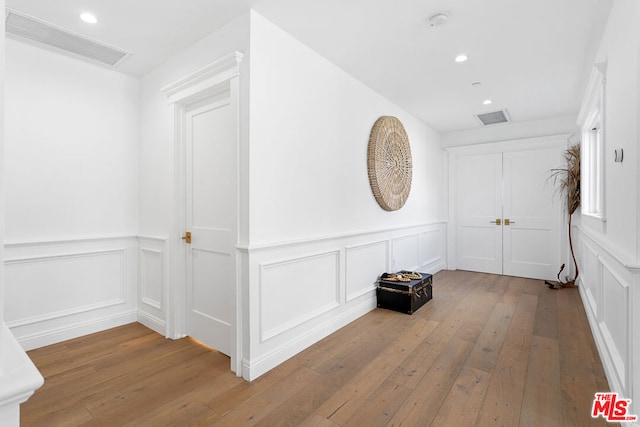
(461, 58)
(487, 102)
(438, 19)
(89, 18)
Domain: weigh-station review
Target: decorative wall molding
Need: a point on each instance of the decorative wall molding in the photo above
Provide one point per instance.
(11, 245)
(65, 313)
(405, 252)
(301, 299)
(332, 237)
(61, 289)
(153, 281)
(362, 269)
(341, 271)
(151, 277)
(606, 287)
(303, 291)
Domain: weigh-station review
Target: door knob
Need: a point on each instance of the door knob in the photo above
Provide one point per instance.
(507, 221)
(498, 221)
(187, 237)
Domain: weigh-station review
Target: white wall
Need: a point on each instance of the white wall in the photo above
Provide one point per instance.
(310, 124)
(610, 260)
(71, 195)
(2, 84)
(619, 49)
(318, 240)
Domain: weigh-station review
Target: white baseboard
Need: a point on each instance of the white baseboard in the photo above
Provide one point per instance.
(152, 322)
(56, 335)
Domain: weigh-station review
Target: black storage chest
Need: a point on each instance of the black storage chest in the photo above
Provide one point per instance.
(405, 297)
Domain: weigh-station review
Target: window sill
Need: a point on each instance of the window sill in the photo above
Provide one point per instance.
(594, 222)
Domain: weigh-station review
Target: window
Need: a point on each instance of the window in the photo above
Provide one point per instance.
(591, 120)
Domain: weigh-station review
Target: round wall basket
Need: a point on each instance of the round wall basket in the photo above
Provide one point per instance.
(389, 163)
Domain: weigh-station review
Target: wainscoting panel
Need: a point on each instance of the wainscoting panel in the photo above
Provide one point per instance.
(432, 248)
(152, 282)
(591, 277)
(35, 285)
(605, 284)
(58, 290)
(406, 252)
(286, 303)
(615, 318)
(300, 292)
(151, 278)
(363, 267)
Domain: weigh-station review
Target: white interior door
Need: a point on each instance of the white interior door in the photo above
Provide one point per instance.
(211, 200)
(507, 219)
(479, 209)
(531, 237)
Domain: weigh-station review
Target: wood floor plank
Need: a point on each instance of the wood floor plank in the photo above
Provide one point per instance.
(463, 401)
(419, 407)
(315, 420)
(487, 350)
(410, 372)
(487, 347)
(542, 402)
(381, 405)
(514, 289)
(477, 308)
(148, 392)
(546, 324)
(503, 401)
(344, 402)
(253, 410)
(463, 314)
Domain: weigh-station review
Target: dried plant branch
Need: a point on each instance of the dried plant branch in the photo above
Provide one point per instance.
(567, 183)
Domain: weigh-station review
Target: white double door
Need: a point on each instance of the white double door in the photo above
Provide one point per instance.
(506, 213)
(211, 209)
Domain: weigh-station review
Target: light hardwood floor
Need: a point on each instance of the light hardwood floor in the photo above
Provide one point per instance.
(487, 350)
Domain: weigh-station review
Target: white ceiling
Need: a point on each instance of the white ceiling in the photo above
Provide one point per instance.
(532, 57)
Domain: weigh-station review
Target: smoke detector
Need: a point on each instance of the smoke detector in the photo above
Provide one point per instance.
(493, 118)
(35, 30)
(438, 20)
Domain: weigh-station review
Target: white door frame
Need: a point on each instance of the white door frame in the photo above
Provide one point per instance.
(218, 77)
(537, 143)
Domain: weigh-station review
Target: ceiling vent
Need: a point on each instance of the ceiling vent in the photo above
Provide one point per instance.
(35, 30)
(493, 118)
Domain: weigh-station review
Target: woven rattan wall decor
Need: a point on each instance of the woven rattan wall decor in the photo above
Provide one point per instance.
(389, 163)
